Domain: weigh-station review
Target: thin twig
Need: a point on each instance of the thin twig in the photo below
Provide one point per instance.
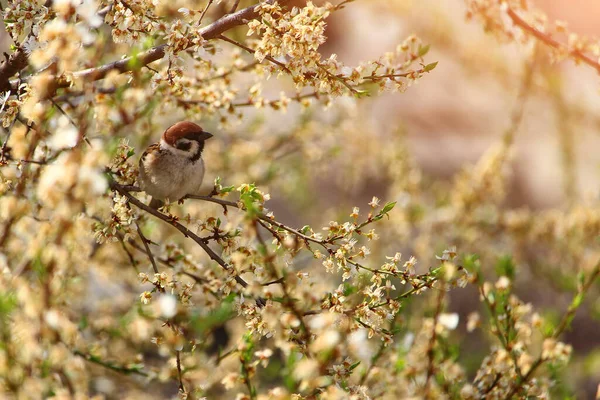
(221, 357)
(249, 50)
(117, 368)
(288, 300)
(263, 217)
(236, 3)
(129, 255)
(179, 374)
(148, 251)
(186, 232)
(204, 11)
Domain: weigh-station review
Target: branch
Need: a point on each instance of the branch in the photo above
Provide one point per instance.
(128, 64)
(564, 323)
(236, 3)
(550, 41)
(110, 365)
(148, 251)
(252, 51)
(204, 11)
(288, 300)
(186, 232)
(13, 64)
(263, 217)
(179, 374)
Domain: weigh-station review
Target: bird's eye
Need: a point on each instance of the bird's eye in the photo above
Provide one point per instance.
(185, 146)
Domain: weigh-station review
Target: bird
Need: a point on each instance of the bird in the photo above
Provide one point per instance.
(173, 167)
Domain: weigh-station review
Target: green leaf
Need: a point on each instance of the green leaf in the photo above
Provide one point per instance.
(305, 229)
(360, 93)
(8, 302)
(430, 67)
(349, 289)
(577, 300)
(581, 278)
(400, 364)
(148, 43)
(505, 266)
(134, 62)
(423, 50)
(388, 207)
(353, 366)
(226, 189)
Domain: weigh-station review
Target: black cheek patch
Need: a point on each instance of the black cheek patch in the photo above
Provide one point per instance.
(184, 146)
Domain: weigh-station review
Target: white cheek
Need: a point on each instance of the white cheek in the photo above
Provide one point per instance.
(179, 152)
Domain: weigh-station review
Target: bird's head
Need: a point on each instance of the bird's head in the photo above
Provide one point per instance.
(186, 139)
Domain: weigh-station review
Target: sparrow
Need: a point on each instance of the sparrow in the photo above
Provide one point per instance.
(173, 167)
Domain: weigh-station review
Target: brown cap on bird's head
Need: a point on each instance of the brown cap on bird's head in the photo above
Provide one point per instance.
(185, 129)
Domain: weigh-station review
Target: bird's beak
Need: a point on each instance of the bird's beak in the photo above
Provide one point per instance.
(205, 135)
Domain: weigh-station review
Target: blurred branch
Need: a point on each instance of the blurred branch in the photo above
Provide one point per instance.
(13, 64)
(234, 7)
(563, 324)
(550, 41)
(518, 111)
(288, 300)
(117, 368)
(128, 64)
(199, 22)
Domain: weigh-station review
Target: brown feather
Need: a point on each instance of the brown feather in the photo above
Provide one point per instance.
(180, 130)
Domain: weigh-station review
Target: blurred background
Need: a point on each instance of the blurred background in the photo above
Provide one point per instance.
(411, 148)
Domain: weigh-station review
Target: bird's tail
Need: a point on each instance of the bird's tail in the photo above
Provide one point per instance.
(156, 203)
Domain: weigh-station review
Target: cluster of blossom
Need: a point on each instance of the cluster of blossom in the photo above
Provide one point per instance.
(132, 20)
(295, 36)
(24, 17)
(11, 105)
(337, 325)
(119, 223)
(123, 171)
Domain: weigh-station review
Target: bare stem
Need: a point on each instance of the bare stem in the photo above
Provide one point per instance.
(179, 374)
(148, 251)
